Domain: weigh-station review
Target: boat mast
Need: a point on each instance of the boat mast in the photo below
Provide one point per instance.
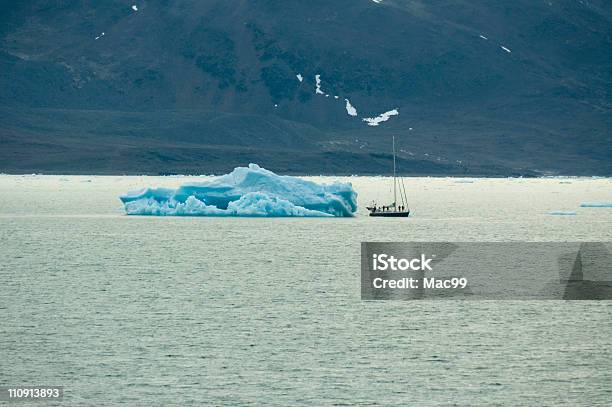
(394, 178)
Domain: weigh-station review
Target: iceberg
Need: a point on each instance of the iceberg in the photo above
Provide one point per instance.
(596, 204)
(246, 191)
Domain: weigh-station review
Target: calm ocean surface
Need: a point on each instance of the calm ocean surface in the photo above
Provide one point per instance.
(245, 311)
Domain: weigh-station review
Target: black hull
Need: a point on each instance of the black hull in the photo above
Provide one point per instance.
(390, 214)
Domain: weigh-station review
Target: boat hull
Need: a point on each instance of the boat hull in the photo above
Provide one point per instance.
(390, 214)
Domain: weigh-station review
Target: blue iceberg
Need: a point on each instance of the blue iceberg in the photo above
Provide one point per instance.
(596, 204)
(252, 191)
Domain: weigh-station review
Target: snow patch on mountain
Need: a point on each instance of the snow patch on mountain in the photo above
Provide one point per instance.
(375, 121)
(318, 90)
(350, 109)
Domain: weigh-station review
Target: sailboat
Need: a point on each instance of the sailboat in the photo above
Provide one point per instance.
(395, 209)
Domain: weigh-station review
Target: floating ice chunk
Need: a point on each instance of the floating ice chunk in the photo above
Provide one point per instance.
(318, 90)
(350, 109)
(152, 206)
(375, 121)
(261, 204)
(134, 7)
(377, 1)
(505, 49)
(299, 77)
(563, 213)
(483, 37)
(251, 191)
(596, 205)
(251, 204)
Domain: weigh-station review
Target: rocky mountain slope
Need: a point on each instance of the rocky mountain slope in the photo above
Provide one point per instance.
(481, 88)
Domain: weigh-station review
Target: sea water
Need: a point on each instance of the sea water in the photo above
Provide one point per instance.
(251, 311)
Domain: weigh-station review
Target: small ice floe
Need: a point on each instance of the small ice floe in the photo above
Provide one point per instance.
(562, 213)
(375, 121)
(299, 77)
(596, 205)
(318, 90)
(336, 97)
(377, 1)
(350, 109)
(275, 105)
(505, 49)
(483, 37)
(100, 36)
(326, 95)
(134, 7)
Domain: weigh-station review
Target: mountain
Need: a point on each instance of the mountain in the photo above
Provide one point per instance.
(517, 87)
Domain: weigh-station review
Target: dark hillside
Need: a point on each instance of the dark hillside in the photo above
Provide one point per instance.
(482, 88)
